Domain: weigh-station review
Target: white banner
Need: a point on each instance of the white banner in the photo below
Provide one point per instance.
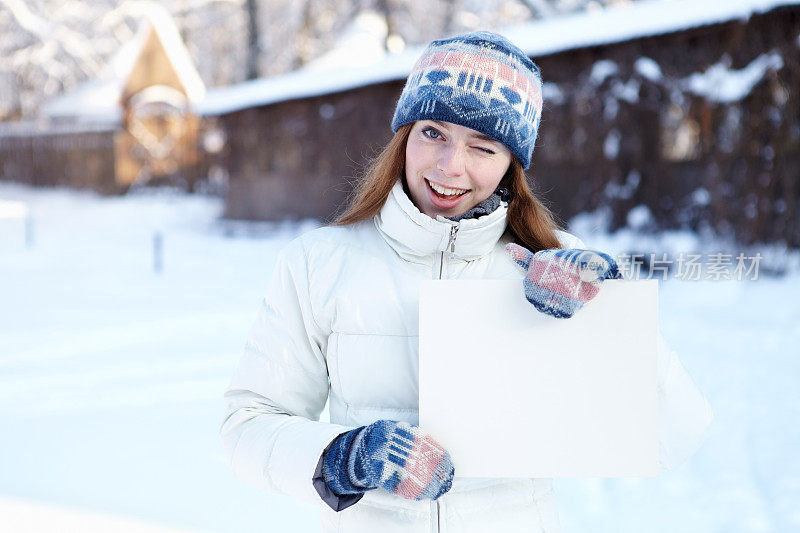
(512, 392)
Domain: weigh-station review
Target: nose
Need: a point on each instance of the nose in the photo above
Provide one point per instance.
(452, 160)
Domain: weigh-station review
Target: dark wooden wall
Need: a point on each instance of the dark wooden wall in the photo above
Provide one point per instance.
(742, 175)
(58, 156)
(298, 159)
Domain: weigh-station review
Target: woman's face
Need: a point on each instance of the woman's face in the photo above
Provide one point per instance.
(451, 168)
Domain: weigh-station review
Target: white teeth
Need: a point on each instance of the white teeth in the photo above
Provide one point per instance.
(445, 190)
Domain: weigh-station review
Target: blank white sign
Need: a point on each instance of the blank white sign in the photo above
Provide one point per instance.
(512, 392)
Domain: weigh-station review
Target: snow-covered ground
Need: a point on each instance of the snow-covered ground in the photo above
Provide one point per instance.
(111, 376)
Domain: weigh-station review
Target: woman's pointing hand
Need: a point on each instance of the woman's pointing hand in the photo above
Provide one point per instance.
(558, 282)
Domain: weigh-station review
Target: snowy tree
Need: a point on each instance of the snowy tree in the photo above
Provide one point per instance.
(51, 46)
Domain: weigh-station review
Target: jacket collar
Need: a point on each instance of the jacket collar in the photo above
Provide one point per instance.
(414, 234)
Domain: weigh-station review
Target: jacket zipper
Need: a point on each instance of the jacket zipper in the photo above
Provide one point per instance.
(451, 246)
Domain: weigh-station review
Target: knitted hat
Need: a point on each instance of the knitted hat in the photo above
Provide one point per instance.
(479, 80)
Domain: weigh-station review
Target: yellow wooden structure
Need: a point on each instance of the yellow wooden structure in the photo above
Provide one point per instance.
(159, 130)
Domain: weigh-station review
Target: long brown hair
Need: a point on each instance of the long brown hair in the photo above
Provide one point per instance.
(530, 222)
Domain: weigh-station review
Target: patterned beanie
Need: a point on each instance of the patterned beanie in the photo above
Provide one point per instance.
(479, 80)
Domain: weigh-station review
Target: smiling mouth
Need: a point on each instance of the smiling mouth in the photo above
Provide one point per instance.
(445, 192)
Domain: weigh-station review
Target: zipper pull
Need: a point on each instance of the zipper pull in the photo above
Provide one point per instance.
(452, 243)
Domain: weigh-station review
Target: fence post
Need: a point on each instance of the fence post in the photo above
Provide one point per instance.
(28, 229)
(158, 252)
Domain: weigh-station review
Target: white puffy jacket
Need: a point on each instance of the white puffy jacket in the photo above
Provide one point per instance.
(340, 318)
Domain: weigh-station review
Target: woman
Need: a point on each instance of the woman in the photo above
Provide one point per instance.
(340, 318)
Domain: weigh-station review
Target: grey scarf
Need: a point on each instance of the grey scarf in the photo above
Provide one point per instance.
(485, 207)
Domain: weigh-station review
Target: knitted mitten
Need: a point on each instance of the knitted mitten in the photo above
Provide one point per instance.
(400, 457)
(558, 282)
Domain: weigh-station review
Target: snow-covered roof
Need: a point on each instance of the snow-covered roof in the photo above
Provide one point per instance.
(99, 100)
(540, 38)
(304, 83)
(96, 101)
(38, 128)
(634, 21)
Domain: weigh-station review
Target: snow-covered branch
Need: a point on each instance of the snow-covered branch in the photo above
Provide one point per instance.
(28, 20)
